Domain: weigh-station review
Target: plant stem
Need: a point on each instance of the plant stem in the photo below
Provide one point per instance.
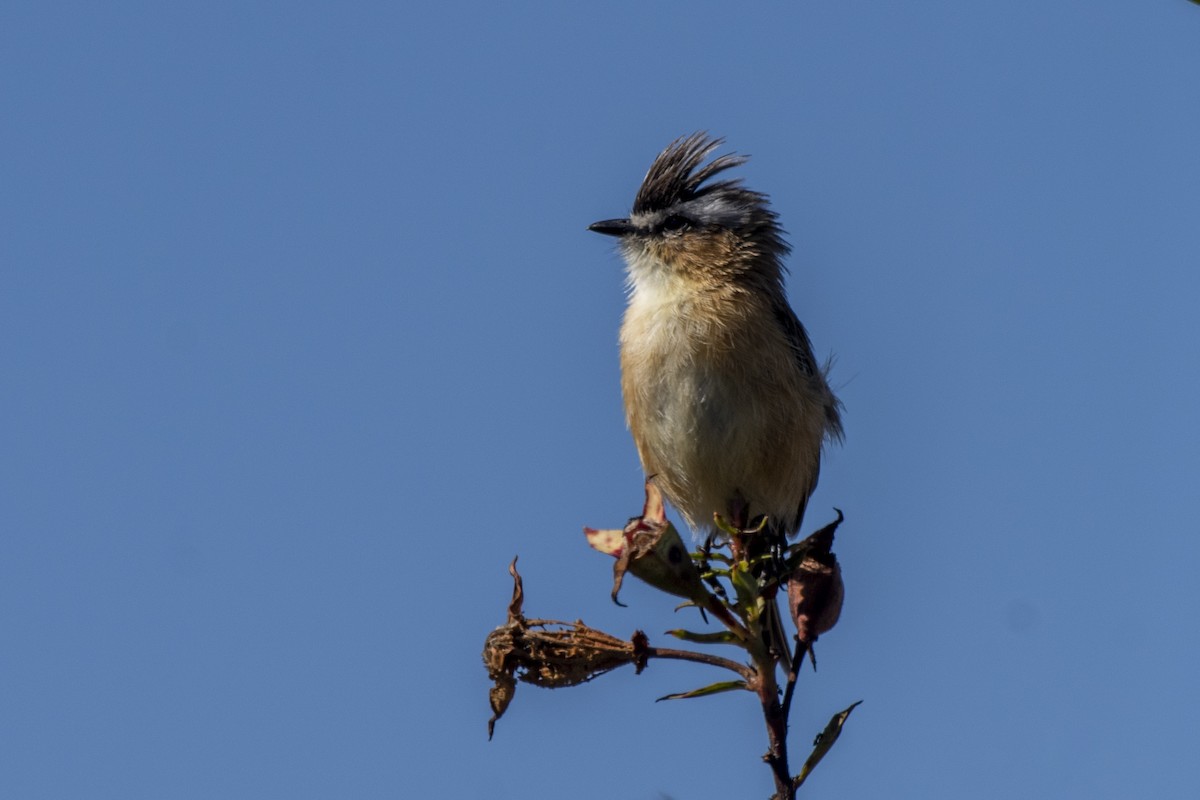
(744, 671)
(775, 715)
(797, 663)
(718, 610)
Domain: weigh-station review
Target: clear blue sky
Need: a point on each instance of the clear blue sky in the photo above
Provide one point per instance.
(302, 338)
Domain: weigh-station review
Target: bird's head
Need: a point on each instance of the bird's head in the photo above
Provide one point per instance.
(687, 226)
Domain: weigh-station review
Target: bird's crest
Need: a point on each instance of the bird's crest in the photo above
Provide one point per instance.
(677, 176)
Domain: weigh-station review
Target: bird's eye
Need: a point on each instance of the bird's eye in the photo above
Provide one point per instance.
(676, 222)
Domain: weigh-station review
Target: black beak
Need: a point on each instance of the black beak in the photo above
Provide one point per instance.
(612, 227)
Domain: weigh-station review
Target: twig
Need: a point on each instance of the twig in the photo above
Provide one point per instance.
(718, 610)
(777, 729)
(744, 671)
(793, 674)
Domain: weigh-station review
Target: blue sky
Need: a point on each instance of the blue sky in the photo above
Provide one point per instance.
(303, 337)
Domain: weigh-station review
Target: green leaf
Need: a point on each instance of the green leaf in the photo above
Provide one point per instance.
(744, 583)
(719, 637)
(725, 526)
(716, 688)
(824, 741)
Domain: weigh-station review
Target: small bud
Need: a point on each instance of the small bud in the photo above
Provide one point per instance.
(815, 588)
(651, 548)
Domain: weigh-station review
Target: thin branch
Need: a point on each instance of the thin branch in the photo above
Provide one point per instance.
(744, 671)
(718, 610)
(777, 728)
(793, 674)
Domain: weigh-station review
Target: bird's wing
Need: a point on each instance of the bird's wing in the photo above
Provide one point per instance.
(801, 345)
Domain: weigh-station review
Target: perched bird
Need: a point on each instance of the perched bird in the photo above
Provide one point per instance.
(727, 405)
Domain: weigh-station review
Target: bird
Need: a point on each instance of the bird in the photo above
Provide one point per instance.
(727, 405)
